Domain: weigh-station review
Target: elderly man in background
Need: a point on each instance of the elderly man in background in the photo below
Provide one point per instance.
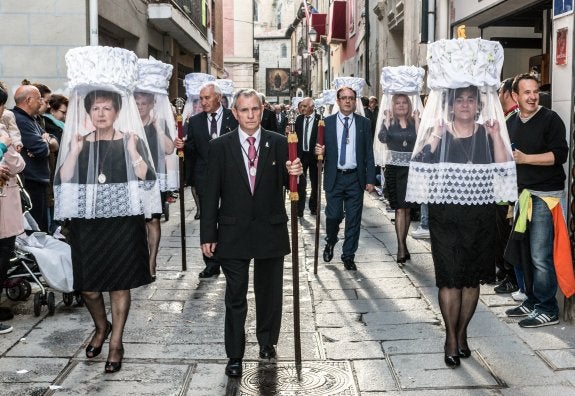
(37, 145)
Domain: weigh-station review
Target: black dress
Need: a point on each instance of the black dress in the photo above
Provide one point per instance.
(463, 236)
(400, 140)
(109, 253)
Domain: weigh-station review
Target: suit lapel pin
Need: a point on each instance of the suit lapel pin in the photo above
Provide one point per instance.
(273, 163)
(267, 144)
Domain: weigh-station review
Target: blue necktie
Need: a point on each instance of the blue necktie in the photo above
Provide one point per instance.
(344, 138)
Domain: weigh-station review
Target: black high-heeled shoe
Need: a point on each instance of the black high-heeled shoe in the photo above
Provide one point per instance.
(464, 352)
(401, 260)
(92, 351)
(451, 361)
(113, 367)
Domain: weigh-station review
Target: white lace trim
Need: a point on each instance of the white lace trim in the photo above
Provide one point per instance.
(169, 181)
(398, 158)
(463, 184)
(90, 201)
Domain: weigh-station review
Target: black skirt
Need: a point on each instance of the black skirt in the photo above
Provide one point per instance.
(396, 186)
(109, 254)
(462, 243)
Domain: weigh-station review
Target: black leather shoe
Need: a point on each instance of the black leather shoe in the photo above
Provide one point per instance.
(234, 368)
(209, 272)
(197, 216)
(300, 214)
(349, 265)
(464, 352)
(6, 314)
(328, 253)
(506, 286)
(267, 352)
(451, 361)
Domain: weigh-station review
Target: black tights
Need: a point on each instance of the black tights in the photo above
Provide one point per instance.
(402, 221)
(120, 301)
(457, 308)
(154, 234)
(196, 199)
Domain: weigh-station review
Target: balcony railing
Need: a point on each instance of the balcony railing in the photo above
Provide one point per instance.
(192, 9)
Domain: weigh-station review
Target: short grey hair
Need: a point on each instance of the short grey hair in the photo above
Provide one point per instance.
(246, 92)
(213, 84)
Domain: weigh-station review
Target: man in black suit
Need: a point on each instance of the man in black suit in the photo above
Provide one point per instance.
(281, 118)
(244, 218)
(211, 123)
(306, 130)
(349, 169)
(268, 121)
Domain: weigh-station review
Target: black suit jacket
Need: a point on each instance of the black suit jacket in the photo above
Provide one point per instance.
(198, 143)
(363, 151)
(269, 121)
(299, 126)
(282, 123)
(246, 226)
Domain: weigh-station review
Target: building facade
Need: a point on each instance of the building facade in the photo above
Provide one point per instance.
(34, 37)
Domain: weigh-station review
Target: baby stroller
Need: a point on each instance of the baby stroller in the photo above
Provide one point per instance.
(44, 260)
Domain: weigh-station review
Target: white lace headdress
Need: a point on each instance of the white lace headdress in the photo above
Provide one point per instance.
(192, 84)
(355, 83)
(406, 80)
(160, 125)
(227, 87)
(104, 167)
(462, 154)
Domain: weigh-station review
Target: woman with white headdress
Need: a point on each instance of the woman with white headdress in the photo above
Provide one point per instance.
(396, 134)
(105, 184)
(462, 165)
(156, 113)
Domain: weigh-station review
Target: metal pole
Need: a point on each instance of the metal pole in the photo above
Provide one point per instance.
(320, 140)
(179, 119)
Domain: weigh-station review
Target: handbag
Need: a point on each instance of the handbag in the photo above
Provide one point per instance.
(24, 196)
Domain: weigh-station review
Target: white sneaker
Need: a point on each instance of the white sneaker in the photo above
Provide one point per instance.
(5, 328)
(420, 233)
(519, 296)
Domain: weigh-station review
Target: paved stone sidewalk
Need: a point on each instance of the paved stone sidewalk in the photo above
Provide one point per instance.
(371, 332)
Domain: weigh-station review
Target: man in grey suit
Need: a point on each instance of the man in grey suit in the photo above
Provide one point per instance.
(349, 169)
(244, 218)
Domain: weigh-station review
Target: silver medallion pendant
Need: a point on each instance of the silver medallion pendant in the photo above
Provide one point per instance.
(404, 143)
(101, 178)
(252, 171)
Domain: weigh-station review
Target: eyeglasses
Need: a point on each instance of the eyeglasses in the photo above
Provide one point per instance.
(346, 98)
(62, 111)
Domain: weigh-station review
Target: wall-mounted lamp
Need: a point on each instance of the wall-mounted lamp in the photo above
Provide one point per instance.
(312, 34)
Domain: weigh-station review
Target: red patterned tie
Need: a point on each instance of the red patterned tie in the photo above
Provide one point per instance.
(252, 162)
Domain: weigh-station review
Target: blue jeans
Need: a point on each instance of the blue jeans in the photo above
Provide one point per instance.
(541, 231)
(424, 217)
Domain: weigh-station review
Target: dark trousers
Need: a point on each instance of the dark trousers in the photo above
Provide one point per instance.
(309, 163)
(211, 262)
(268, 288)
(503, 231)
(6, 252)
(347, 194)
(38, 196)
